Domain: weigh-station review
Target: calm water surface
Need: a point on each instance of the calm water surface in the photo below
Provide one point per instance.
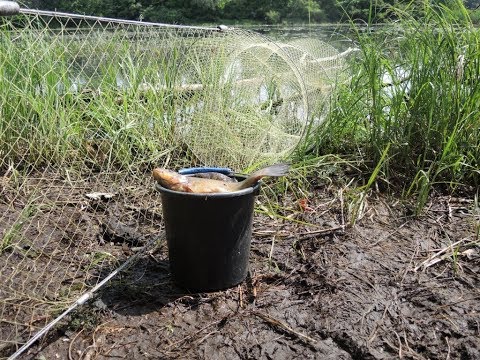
(334, 34)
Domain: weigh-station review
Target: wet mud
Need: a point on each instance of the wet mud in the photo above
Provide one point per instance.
(392, 285)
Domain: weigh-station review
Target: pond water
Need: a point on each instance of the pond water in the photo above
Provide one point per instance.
(337, 35)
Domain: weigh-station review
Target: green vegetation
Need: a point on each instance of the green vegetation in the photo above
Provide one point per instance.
(408, 114)
(414, 94)
(64, 103)
(227, 11)
(11, 235)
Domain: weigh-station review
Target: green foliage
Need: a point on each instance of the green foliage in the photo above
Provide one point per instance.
(64, 103)
(278, 11)
(272, 17)
(201, 10)
(409, 109)
(413, 89)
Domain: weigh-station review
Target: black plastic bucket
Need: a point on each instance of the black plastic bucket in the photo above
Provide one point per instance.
(208, 237)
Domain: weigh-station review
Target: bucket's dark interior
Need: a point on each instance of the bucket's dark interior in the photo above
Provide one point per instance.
(208, 237)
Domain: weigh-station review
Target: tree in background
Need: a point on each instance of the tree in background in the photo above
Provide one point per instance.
(96, 7)
(271, 11)
(367, 10)
(259, 11)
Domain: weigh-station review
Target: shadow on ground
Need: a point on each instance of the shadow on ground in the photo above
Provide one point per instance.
(389, 287)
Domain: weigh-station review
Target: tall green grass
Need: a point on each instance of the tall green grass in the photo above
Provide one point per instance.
(408, 111)
(87, 96)
(414, 92)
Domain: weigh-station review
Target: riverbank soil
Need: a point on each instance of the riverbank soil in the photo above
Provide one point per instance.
(392, 285)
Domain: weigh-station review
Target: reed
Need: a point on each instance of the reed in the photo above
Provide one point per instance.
(103, 103)
(411, 103)
(408, 113)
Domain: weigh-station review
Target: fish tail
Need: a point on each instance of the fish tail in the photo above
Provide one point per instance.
(280, 169)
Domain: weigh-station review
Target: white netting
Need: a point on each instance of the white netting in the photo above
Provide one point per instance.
(91, 105)
(261, 92)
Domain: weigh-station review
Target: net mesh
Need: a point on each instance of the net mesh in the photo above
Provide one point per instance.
(89, 106)
(261, 92)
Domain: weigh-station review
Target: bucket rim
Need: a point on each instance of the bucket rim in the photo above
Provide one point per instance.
(249, 190)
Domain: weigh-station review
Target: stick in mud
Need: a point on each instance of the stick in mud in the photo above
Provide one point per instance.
(284, 327)
(433, 259)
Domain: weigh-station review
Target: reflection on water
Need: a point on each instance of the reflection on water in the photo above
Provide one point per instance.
(85, 71)
(335, 34)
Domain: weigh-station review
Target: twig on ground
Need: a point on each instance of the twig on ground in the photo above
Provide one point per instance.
(311, 234)
(448, 345)
(284, 327)
(300, 236)
(437, 257)
(198, 342)
(409, 353)
(92, 349)
(270, 254)
(342, 208)
(240, 296)
(188, 337)
(378, 323)
(408, 267)
(389, 234)
(70, 357)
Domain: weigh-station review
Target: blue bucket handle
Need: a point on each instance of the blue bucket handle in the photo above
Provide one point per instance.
(197, 170)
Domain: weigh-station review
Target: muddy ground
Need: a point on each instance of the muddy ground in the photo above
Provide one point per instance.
(388, 286)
